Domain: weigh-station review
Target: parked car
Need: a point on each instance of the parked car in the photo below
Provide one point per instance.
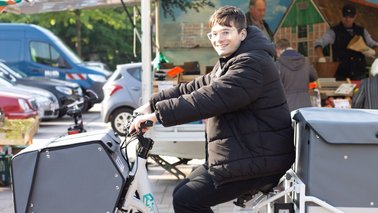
(17, 106)
(38, 52)
(97, 64)
(122, 94)
(21, 120)
(64, 91)
(47, 104)
(2, 116)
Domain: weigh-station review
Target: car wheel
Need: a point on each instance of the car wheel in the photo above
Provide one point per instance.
(119, 118)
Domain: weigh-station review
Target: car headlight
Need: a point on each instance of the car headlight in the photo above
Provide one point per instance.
(79, 91)
(24, 105)
(98, 78)
(64, 90)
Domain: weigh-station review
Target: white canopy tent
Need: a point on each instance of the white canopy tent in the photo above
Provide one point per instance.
(43, 6)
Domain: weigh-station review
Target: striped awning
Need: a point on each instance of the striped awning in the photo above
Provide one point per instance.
(4, 3)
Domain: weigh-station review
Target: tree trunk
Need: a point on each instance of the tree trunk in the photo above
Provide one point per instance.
(78, 32)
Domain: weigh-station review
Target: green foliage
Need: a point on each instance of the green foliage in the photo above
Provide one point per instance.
(168, 6)
(106, 34)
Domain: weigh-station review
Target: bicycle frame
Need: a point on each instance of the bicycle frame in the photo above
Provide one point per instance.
(138, 181)
(141, 184)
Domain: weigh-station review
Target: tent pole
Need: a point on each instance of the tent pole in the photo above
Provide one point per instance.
(146, 51)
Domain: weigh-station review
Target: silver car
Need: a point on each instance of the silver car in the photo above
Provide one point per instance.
(122, 94)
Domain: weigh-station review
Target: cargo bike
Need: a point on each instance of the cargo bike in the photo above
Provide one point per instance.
(90, 172)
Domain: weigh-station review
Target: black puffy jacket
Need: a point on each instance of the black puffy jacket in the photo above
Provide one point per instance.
(249, 131)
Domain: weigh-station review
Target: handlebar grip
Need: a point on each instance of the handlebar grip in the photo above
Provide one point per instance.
(146, 124)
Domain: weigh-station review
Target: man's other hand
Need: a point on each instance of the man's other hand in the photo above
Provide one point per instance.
(369, 53)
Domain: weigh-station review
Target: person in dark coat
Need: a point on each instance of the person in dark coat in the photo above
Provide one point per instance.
(296, 73)
(367, 95)
(248, 128)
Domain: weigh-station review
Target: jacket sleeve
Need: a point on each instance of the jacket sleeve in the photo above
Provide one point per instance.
(358, 99)
(178, 90)
(239, 86)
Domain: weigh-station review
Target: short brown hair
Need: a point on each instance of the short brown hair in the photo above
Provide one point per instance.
(282, 44)
(226, 15)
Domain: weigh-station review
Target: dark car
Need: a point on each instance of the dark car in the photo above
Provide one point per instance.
(66, 92)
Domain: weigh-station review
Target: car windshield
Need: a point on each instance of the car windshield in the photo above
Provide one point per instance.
(4, 82)
(59, 43)
(7, 76)
(14, 72)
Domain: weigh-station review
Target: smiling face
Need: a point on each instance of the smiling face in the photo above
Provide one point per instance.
(226, 40)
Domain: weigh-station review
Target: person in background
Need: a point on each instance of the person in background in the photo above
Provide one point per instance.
(367, 95)
(352, 63)
(296, 73)
(248, 129)
(255, 16)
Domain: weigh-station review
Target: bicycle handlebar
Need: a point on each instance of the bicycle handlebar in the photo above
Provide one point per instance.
(146, 124)
(75, 103)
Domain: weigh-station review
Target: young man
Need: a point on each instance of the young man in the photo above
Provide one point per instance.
(296, 73)
(352, 63)
(248, 130)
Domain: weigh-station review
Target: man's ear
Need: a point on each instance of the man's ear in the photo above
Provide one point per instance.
(243, 33)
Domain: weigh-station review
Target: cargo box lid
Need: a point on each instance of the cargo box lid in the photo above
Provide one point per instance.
(341, 126)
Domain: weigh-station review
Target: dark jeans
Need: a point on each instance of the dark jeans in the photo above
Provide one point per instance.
(197, 193)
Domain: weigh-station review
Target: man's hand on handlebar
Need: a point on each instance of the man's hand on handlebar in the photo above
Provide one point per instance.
(141, 119)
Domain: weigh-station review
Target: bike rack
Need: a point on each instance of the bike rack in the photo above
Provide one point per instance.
(171, 168)
(293, 187)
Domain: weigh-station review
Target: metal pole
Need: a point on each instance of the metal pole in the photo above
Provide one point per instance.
(146, 51)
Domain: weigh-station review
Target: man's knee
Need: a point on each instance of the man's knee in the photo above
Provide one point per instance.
(179, 199)
(180, 203)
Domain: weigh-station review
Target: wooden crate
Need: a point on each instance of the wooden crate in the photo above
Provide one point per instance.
(18, 132)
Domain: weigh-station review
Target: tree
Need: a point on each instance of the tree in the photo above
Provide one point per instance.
(97, 34)
(169, 5)
(104, 35)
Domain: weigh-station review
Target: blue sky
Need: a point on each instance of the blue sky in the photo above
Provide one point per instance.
(275, 11)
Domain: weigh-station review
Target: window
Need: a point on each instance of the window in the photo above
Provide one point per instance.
(302, 31)
(136, 72)
(44, 53)
(303, 48)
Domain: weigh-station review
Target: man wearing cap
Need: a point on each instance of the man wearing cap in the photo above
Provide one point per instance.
(352, 63)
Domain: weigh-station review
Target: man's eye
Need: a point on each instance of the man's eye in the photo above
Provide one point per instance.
(225, 33)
